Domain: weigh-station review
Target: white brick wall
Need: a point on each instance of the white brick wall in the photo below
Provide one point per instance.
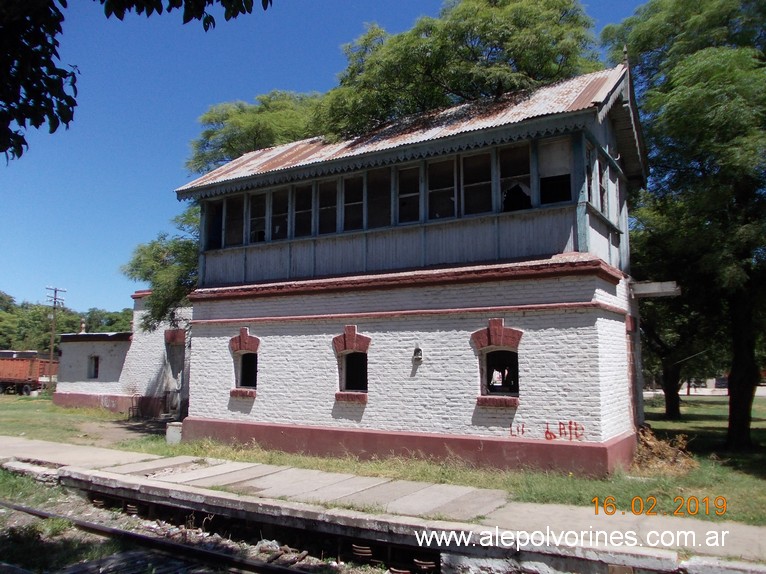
(147, 370)
(572, 362)
(73, 366)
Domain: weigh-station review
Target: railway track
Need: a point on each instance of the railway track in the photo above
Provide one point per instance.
(167, 555)
(161, 555)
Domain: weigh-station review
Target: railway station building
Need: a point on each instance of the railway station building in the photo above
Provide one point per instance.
(454, 284)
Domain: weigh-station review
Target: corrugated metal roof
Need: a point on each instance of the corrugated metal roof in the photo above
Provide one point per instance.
(576, 94)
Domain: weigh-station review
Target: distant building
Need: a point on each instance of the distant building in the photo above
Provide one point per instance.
(137, 372)
(453, 284)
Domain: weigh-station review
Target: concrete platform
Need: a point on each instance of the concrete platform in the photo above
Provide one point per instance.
(394, 511)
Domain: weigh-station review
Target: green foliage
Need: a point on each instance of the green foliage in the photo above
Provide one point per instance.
(475, 49)
(27, 326)
(169, 264)
(234, 128)
(35, 89)
(701, 83)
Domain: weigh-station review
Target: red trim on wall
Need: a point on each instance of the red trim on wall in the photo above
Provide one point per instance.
(244, 342)
(594, 459)
(350, 341)
(351, 397)
(497, 401)
(141, 294)
(242, 393)
(496, 335)
(175, 336)
(477, 274)
(578, 306)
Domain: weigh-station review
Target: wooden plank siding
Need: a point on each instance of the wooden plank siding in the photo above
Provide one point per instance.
(496, 237)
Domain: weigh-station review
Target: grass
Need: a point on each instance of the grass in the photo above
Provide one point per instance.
(739, 477)
(38, 418)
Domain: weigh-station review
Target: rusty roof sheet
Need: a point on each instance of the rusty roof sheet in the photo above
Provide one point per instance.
(592, 90)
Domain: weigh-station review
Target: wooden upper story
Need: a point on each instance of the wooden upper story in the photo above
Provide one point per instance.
(527, 177)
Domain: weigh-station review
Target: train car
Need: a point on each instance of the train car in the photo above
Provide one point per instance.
(22, 372)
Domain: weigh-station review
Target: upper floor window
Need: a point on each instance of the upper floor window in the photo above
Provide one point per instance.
(235, 221)
(515, 186)
(441, 189)
(354, 372)
(477, 184)
(353, 203)
(379, 197)
(258, 218)
(279, 208)
(554, 165)
(409, 194)
(303, 201)
(328, 207)
(470, 183)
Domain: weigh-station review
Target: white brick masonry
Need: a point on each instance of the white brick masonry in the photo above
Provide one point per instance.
(73, 366)
(572, 361)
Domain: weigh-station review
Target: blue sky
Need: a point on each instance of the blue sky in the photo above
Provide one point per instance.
(74, 207)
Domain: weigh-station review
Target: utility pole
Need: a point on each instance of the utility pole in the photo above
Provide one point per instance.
(55, 301)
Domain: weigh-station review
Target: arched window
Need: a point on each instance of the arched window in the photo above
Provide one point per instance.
(351, 350)
(244, 350)
(497, 347)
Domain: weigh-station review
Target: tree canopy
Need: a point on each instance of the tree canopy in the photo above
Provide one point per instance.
(232, 129)
(36, 88)
(701, 84)
(475, 49)
(169, 264)
(27, 326)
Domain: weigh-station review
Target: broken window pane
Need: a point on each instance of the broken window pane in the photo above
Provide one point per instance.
(515, 187)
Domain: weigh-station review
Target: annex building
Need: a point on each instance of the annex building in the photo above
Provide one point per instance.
(455, 284)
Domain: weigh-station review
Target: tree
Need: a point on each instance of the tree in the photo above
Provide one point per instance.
(102, 321)
(475, 49)
(232, 129)
(36, 89)
(702, 88)
(170, 265)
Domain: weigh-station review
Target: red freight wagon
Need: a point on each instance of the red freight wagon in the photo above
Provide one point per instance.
(22, 375)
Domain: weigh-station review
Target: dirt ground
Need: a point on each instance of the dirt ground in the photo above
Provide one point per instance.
(107, 434)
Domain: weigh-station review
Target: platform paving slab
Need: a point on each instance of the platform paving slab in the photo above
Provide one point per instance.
(471, 505)
(292, 482)
(382, 494)
(333, 492)
(61, 454)
(237, 476)
(148, 467)
(425, 501)
(211, 470)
